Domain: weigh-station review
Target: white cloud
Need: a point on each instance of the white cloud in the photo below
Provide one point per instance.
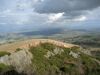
(23, 13)
(81, 18)
(55, 17)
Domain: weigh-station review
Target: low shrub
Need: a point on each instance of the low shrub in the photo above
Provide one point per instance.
(3, 53)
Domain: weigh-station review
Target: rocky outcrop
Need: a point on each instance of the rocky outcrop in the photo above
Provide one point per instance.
(54, 52)
(73, 54)
(20, 60)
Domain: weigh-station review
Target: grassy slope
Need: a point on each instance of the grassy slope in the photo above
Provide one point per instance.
(62, 63)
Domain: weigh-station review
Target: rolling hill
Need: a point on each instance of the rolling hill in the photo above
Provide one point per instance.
(46, 57)
(11, 47)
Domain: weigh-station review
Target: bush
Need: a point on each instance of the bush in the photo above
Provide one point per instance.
(75, 48)
(18, 49)
(48, 46)
(3, 53)
(4, 67)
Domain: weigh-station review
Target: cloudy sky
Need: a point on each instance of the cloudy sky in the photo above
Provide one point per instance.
(37, 14)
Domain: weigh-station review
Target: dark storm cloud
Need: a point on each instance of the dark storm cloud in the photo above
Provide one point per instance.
(69, 7)
(56, 6)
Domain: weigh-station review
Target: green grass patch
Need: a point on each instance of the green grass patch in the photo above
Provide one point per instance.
(48, 46)
(18, 49)
(3, 53)
(4, 68)
(91, 67)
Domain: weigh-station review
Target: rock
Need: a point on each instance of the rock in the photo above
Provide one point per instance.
(54, 52)
(49, 54)
(58, 51)
(73, 54)
(21, 60)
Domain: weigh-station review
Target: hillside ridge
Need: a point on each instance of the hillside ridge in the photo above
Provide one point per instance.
(47, 57)
(11, 47)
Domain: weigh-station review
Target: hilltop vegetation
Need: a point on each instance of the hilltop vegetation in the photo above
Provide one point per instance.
(3, 53)
(62, 63)
(50, 59)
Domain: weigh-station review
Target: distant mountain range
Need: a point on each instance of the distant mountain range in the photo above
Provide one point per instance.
(44, 32)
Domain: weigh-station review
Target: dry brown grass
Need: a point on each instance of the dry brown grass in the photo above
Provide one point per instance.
(33, 42)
